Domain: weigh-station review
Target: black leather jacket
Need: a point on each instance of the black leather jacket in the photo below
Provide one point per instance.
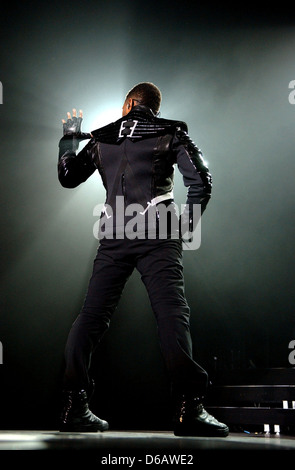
(135, 157)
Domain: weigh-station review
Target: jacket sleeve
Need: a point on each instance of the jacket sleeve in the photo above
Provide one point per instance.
(196, 176)
(74, 169)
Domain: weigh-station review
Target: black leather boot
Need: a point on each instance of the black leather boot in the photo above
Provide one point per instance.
(193, 420)
(76, 416)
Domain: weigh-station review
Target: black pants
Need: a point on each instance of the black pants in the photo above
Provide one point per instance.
(160, 264)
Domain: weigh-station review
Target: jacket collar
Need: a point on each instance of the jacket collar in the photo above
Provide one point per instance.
(140, 109)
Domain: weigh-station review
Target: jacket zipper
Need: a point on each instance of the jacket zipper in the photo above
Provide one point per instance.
(123, 183)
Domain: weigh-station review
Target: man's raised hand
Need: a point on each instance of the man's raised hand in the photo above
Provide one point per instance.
(72, 126)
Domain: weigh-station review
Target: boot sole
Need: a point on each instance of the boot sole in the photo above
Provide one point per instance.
(200, 433)
(84, 428)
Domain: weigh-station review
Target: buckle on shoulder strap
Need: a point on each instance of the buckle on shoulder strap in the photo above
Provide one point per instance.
(127, 128)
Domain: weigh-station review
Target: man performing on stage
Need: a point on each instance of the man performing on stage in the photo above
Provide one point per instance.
(135, 157)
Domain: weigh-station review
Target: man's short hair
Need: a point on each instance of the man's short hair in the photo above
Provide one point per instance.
(147, 94)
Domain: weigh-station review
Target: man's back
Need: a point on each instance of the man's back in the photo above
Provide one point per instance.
(135, 157)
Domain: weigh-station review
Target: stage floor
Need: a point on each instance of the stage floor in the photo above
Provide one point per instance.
(137, 449)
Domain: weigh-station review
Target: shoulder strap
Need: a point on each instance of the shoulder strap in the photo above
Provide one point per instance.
(136, 126)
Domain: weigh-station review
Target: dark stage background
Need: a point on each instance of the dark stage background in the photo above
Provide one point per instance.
(226, 72)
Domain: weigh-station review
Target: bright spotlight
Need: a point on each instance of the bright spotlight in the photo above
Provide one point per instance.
(106, 116)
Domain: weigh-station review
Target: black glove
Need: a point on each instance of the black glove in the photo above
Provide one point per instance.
(72, 135)
(73, 126)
